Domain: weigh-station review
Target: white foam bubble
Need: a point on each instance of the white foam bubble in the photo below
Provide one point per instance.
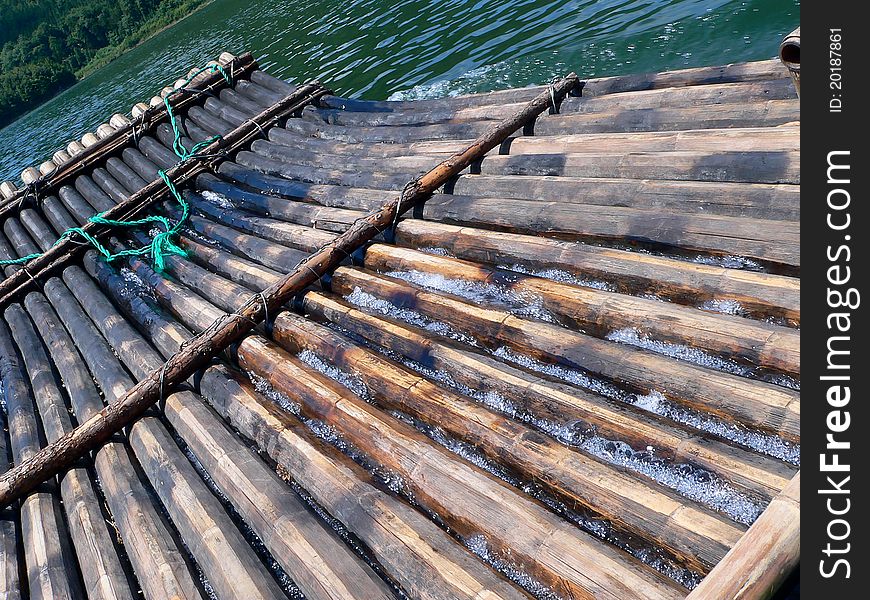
(436, 251)
(561, 276)
(724, 306)
(217, 199)
(372, 303)
(632, 337)
(523, 303)
(728, 262)
(479, 546)
(657, 403)
(477, 80)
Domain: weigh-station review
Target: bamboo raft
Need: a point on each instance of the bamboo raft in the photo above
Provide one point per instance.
(571, 372)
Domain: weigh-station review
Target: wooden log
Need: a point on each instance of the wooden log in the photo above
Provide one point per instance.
(600, 312)
(97, 557)
(423, 559)
(774, 166)
(758, 294)
(729, 93)
(194, 356)
(755, 404)
(225, 111)
(318, 563)
(762, 139)
(246, 272)
(737, 167)
(157, 190)
(559, 404)
(766, 555)
(49, 560)
(8, 189)
(775, 247)
(756, 200)
(758, 114)
(638, 509)
(748, 71)
(466, 499)
(10, 567)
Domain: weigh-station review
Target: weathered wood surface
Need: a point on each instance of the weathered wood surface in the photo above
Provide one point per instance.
(737, 72)
(758, 114)
(779, 166)
(766, 555)
(204, 84)
(194, 356)
(97, 557)
(759, 294)
(733, 93)
(415, 552)
(49, 560)
(157, 189)
(559, 404)
(470, 501)
(600, 312)
(753, 403)
(641, 510)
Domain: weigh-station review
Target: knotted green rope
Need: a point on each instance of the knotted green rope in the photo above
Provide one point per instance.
(163, 243)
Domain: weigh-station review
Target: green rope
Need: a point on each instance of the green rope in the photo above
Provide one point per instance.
(164, 242)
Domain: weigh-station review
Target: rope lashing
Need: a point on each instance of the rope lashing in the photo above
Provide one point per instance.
(163, 243)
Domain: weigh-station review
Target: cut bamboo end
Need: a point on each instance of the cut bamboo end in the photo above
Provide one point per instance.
(179, 83)
(166, 91)
(105, 130)
(74, 147)
(139, 109)
(192, 72)
(118, 121)
(30, 175)
(226, 58)
(47, 167)
(89, 139)
(155, 101)
(60, 157)
(790, 55)
(8, 189)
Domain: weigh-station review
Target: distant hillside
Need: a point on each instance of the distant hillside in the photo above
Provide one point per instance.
(46, 45)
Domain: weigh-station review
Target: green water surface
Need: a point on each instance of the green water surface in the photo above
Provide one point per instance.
(403, 49)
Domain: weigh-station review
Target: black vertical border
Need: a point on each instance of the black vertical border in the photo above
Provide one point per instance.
(822, 132)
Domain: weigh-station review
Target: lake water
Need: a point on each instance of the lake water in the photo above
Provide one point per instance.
(376, 49)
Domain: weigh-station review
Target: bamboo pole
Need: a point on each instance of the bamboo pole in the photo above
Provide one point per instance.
(558, 404)
(424, 559)
(470, 501)
(98, 149)
(636, 508)
(157, 189)
(755, 404)
(790, 55)
(231, 328)
(599, 312)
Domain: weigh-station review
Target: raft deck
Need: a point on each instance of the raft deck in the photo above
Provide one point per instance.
(573, 372)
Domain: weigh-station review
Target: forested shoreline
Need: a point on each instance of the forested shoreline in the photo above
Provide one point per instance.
(47, 45)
